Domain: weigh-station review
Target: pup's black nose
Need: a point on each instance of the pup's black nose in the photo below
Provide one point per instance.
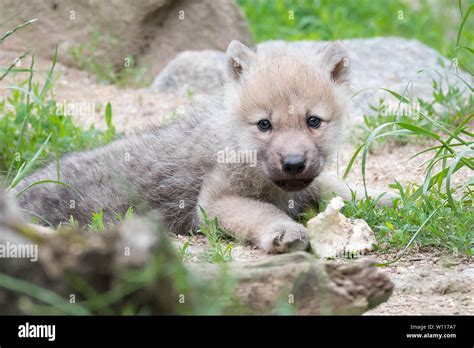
(293, 164)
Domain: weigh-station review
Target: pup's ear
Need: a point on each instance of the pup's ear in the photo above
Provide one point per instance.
(335, 59)
(240, 57)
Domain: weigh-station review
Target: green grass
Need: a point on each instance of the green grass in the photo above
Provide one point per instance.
(435, 212)
(183, 249)
(450, 228)
(344, 19)
(97, 223)
(41, 117)
(29, 116)
(97, 220)
(449, 106)
(34, 127)
(218, 250)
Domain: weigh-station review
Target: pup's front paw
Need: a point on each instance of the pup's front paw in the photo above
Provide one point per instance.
(286, 236)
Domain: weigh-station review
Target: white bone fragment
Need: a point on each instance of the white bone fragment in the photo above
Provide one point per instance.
(333, 235)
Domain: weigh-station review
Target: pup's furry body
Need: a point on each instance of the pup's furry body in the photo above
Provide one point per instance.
(175, 170)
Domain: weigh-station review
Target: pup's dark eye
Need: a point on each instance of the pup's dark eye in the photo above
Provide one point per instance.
(314, 122)
(264, 125)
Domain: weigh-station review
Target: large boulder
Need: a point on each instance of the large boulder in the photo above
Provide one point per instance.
(192, 71)
(153, 31)
(407, 67)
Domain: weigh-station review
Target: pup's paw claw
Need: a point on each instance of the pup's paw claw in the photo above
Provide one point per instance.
(285, 237)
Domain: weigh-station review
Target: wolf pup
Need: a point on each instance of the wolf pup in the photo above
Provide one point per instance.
(254, 154)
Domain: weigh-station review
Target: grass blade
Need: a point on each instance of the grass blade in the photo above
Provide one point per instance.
(50, 182)
(22, 173)
(12, 65)
(18, 27)
(27, 114)
(41, 294)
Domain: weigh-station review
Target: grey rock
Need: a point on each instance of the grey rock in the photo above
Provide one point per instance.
(192, 71)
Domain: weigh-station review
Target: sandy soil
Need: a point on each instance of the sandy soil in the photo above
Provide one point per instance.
(426, 281)
(132, 109)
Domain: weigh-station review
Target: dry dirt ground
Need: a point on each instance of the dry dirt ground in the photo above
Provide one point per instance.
(426, 281)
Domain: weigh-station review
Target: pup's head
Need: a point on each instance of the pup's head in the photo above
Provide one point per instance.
(289, 106)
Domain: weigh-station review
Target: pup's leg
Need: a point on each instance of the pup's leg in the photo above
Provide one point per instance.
(262, 224)
(328, 186)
